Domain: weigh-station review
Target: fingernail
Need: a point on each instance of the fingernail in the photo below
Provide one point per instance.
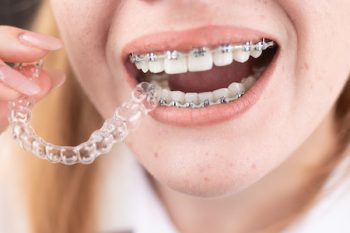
(17, 81)
(40, 41)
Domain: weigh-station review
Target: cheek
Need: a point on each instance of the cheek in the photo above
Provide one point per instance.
(323, 64)
(84, 27)
(323, 37)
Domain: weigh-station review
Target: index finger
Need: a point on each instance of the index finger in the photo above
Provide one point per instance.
(19, 45)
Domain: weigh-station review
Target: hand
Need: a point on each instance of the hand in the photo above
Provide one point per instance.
(17, 46)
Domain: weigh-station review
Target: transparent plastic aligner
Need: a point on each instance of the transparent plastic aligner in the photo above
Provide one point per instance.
(144, 98)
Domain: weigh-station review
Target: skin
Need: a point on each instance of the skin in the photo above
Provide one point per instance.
(13, 84)
(208, 177)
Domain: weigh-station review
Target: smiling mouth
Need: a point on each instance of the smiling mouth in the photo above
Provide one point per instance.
(207, 74)
(204, 76)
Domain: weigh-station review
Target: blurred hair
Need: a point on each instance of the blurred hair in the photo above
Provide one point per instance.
(60, 198)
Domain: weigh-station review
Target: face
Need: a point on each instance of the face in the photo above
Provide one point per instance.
(223, 148)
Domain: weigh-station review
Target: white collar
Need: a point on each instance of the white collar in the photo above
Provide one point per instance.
(330, 214)
(127, 199)
(129, 203)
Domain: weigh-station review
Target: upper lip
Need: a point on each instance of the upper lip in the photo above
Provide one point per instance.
(206, 36)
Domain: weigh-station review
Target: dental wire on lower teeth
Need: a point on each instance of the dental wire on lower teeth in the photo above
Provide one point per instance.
(233, 92)
(221, 96)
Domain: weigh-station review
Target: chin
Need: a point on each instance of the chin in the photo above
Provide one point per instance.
(217, 183)
(202, 167)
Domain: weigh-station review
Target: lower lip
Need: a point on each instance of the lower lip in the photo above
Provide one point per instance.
(187, 117)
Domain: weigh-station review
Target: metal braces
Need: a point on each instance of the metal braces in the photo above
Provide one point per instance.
(225, 48)
(206, 103)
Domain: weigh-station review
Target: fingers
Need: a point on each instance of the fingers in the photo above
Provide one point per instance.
(7, 93)
(21, 46)
(49, 80)
(46, 82)
(18, 45)
(17, 81)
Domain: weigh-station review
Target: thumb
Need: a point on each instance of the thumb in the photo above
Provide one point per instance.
(48, 81)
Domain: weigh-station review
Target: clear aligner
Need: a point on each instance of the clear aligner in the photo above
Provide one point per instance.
(144, 98)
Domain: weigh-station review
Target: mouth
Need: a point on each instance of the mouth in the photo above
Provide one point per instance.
(200, 77)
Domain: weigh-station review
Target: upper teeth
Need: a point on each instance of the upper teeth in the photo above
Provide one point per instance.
(198, 59)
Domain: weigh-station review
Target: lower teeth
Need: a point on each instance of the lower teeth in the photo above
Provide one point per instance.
(180, 99)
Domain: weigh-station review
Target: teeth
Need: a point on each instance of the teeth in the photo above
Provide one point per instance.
(156, 66)
(203, 99)
(192, 97)
(200, 60)
(224, 56)
(258, 71)
(199, 100)
(178, 96)
(166, 95)
(256, 53)
(143, 65)
(175, 65)
(236, 89)
(220, 93)
(241, 55)
(206, 96)
(139, 65)
(248, 82)
(223, 59)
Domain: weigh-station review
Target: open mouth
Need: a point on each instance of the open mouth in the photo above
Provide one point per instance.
(204, 76)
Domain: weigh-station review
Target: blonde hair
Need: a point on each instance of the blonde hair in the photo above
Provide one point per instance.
(62, 199)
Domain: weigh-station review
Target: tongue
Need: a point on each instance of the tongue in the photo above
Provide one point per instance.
(216, 78)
